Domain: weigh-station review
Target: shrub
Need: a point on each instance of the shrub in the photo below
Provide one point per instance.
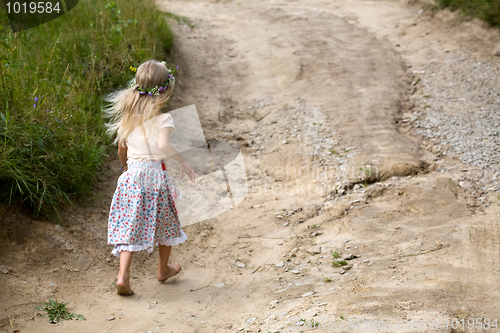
(487, 10)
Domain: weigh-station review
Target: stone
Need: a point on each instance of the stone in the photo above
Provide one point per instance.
(351, 257)
(314, 250)
(467, 185)
(220, 285)
(280, 264)
(310, 293)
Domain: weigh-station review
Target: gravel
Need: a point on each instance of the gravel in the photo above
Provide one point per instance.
(459, 110)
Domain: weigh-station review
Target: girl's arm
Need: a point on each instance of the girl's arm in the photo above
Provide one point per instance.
(122, 153)
(168, 148)
(170, 151)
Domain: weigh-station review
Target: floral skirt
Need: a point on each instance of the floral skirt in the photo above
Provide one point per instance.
(143, 212)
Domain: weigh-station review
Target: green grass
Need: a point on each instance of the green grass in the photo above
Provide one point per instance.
(486, 10)
(51, 150)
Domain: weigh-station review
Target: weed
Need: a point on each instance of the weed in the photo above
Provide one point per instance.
(326, 279)
(314, 226)
(338, 263)
(313, 324)
(57, 311)
(427, 96)
(333, 151)
(367, 171)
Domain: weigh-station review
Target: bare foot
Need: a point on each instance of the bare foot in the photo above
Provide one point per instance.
(169, 272)
(123, 286)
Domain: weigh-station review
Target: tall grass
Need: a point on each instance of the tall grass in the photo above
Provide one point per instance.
(52, 81)
(487, 10)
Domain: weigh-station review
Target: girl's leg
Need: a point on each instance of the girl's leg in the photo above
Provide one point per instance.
(165, 270)
(123, 279)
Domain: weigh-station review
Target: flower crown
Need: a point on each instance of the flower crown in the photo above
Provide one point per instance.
(157, 89)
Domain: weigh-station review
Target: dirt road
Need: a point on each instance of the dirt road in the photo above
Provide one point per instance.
(319, 95)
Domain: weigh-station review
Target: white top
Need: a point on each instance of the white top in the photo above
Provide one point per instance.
(137, 147)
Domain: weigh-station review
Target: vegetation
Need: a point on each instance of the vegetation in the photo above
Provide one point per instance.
(487, 10)
(337, 263)
(57, 311)
(52, 81)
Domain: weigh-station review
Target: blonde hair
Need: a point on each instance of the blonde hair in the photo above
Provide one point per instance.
(129, 108)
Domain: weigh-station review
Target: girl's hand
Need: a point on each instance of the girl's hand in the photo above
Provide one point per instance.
(184, 167)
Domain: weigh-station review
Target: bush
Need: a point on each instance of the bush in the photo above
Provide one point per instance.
(52, 81)
(487, 10)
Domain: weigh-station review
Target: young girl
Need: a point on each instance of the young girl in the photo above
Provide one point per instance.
(143, 212)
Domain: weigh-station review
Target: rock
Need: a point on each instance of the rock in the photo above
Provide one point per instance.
(241, 265)
(5, 270)
(111, 318)
(497, 53)
(310, 293)
(314, 250)
(295, 272)
(220, 285)
(351, 257)
(280, 264)
(256, 206)
(467, 185)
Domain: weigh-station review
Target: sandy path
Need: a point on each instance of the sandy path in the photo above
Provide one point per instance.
(313, 91)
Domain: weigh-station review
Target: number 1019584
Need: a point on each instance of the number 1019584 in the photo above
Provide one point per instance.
(471, 323)
(32, 7)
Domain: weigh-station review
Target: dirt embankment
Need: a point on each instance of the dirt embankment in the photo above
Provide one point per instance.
(326, 100)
